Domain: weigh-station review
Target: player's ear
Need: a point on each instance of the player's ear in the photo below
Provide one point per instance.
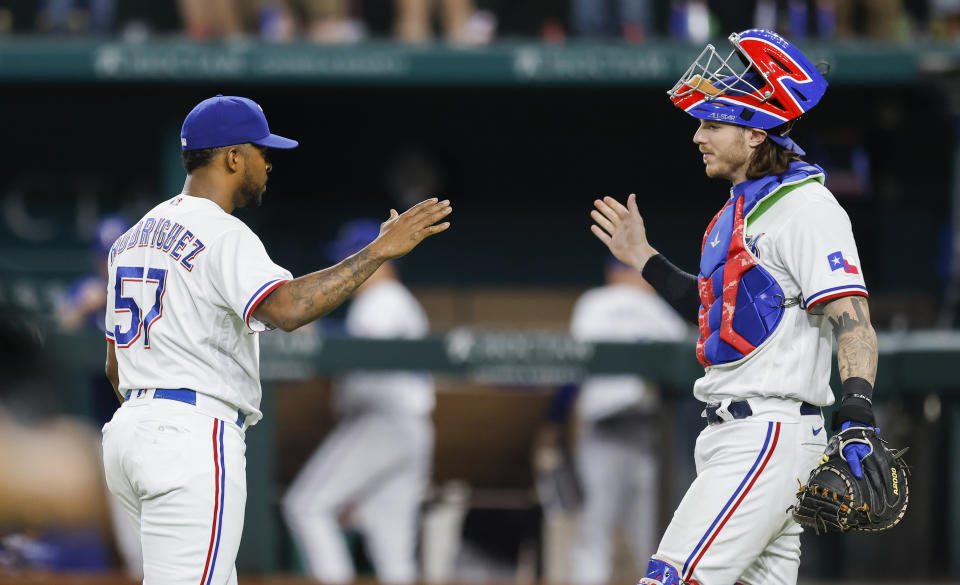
(755, 137)
(233, 158)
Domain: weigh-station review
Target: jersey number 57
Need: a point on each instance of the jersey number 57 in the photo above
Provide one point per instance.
(130, 286)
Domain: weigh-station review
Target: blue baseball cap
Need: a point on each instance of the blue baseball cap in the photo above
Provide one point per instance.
(613, 263)
(352, 237)
(108, 230)
(224, 120)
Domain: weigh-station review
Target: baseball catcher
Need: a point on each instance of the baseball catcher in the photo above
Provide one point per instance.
(860, 484)
(779, 235)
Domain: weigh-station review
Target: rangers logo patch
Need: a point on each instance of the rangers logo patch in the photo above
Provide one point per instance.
(837, 261)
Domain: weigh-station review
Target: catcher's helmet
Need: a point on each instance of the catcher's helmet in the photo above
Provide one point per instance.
(772, 85)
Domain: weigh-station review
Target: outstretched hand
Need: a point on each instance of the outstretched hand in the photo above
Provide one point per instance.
(622, 230)
(403, 231)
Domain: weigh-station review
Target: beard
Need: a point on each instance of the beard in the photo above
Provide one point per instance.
(731, 163)
(250, 193)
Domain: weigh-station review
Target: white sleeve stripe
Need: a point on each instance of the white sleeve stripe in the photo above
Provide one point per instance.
(258, 296)
(835, 291)
(109, 334)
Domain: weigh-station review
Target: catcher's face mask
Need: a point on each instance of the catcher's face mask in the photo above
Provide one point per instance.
(769, 84)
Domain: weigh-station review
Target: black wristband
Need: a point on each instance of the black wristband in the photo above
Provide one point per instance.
(856, 404)
(677, 287)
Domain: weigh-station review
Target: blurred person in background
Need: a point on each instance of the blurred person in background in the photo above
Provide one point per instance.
(827, 19)
(212, 19)
(794, 18)
(460, 22)
(797, 19)
(547, 19)
(83, 307)
(373, 468)
(946, 18)
(617, 418)
(329, 21)
(76, 16)
(631, 20)
(689, 20)
(53, 510)
(83, 303)
(880, 20)
(319, 21)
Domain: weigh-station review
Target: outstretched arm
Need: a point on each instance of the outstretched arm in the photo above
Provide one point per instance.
(307, 298)
(622, 230)
(856, 358)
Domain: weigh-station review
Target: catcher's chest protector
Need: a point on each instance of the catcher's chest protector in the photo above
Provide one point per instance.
(741, 303)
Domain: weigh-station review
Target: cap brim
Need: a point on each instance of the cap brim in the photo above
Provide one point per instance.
(274, 141)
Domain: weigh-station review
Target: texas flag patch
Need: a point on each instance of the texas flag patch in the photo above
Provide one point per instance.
(837, 261)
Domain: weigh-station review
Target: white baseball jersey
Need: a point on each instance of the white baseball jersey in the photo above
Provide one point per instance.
(183, 285)
(386, 309)
(728, 529)
(806, 242)
(621, 312)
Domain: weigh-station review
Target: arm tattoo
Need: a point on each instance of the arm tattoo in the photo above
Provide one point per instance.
(314, 295)
(856, 342)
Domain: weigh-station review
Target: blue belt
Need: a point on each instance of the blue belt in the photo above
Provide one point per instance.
(741, 409)
(184, 395)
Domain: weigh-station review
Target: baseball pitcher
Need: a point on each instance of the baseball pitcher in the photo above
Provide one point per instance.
(190, 287)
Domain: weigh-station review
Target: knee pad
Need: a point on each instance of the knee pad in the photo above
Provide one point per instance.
(661, 573)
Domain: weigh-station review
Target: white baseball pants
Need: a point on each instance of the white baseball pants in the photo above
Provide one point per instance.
(180, 475)
(732, 526)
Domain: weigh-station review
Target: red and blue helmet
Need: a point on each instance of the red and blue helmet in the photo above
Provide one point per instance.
(768, 86)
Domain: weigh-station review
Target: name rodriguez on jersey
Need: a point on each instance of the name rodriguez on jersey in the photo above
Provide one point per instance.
(173, 238)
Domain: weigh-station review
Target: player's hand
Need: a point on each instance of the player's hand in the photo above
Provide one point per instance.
(853, 453)
(622, 230)
(403, 231)
(93, 298)
(546, 448)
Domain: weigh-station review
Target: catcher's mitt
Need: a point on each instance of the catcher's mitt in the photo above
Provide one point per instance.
(834, 500)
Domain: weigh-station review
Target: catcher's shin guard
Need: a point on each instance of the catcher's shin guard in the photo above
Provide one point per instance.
(661, 573)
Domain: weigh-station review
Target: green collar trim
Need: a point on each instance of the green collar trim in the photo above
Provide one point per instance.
(777, 195)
